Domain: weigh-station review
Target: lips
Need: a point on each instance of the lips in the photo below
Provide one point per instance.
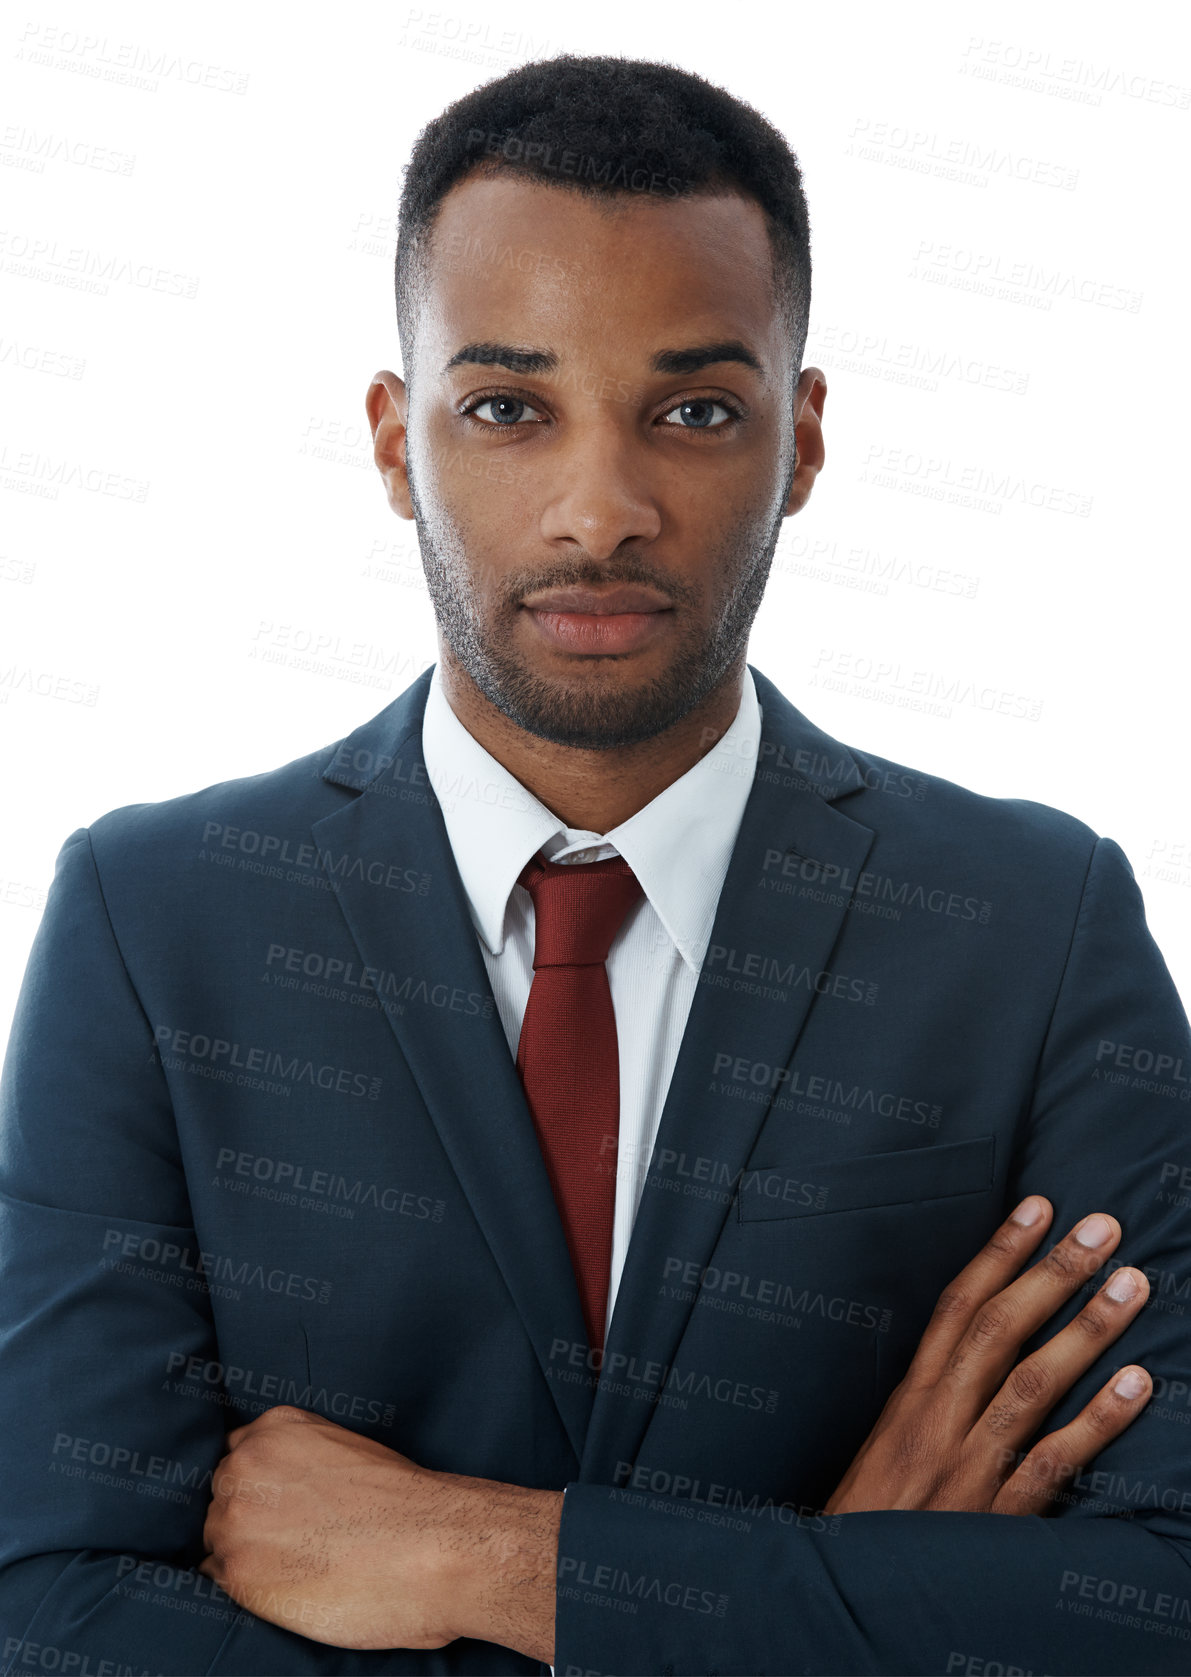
(598, 602)
(602, 633)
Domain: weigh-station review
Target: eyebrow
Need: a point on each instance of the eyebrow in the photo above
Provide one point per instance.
(504, 355)
(679, 361)
(704, 355)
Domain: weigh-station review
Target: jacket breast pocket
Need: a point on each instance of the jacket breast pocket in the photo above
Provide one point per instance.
(872, 1179)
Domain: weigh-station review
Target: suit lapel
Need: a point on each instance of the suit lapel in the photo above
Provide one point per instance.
(469, 1082)
(800, 771)
(460, 1062)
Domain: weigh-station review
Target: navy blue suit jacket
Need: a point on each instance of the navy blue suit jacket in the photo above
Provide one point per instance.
(263, 1142)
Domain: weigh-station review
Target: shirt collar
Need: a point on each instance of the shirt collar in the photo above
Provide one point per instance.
(679, 844)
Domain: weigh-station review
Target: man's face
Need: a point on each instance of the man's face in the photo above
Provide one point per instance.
(610, 456)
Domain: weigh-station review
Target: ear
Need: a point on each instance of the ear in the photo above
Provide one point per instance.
(808, 436)
(387, 405)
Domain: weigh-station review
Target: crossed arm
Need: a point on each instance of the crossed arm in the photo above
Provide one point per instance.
(382, 1553)
(902, 1574)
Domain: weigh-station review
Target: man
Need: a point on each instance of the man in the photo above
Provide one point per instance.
(477, 1196)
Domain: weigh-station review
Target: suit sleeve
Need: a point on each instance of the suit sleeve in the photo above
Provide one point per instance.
(106, 1470)
(1102, 1584)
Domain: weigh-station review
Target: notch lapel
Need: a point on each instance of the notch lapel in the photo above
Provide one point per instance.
(461, 1063)
(800, 771)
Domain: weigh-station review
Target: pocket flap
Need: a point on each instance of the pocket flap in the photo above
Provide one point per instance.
(909, 1174)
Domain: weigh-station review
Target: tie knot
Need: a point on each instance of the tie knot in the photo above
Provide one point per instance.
(578, 908)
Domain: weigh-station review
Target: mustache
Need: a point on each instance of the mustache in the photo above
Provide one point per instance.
(590, 573)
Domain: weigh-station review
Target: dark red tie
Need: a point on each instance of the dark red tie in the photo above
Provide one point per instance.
(567, 1056)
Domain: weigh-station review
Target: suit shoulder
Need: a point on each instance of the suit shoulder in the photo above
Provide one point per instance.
(930, 810)
(276, 802)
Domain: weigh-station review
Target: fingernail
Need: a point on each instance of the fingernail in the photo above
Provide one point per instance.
(1130, 1384)
(1028, 1212)
(1123, 1286)
(1093, 1231)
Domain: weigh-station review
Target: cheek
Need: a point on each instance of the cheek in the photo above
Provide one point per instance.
(734, 532)
(461, 482)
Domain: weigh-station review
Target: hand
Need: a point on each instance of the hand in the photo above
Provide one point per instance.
(323, 1532)
(953, 1429)
(346, 1542)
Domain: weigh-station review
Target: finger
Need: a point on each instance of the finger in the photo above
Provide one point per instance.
(989, 1272)
(273, 1417)
(1042, 1379)
(989, 1346)
(1058, 1459)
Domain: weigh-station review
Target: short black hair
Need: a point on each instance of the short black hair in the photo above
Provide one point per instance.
(609, 125)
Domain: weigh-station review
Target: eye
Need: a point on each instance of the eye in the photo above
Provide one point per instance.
(697, 415)
(506, 410)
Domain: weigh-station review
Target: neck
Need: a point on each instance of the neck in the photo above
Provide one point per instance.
(593, 790)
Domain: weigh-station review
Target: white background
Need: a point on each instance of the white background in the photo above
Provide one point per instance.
(998, 210)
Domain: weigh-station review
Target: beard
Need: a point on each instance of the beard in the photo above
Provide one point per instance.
(594, 712)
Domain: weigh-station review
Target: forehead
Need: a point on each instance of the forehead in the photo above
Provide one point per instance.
(538, 265)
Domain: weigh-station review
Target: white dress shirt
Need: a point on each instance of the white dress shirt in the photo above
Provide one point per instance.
(679, 846)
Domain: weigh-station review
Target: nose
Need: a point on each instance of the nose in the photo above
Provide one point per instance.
(603, 496)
